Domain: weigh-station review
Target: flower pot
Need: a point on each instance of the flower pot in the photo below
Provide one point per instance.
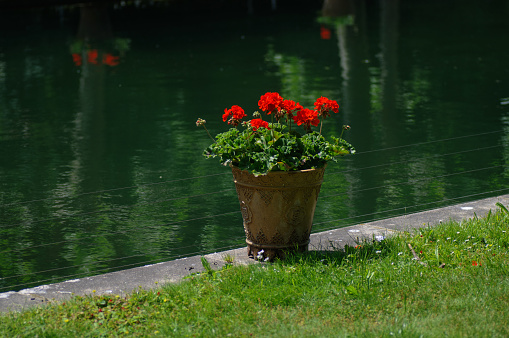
(277, 209)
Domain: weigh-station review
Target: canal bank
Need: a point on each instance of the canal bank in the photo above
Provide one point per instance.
(151, 276)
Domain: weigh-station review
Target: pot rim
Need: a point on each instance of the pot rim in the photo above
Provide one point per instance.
(279, 171)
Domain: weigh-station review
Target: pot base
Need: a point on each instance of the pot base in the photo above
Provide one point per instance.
(267, 252)
(277, 210)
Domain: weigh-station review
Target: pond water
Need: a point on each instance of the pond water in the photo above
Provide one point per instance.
(101, 164)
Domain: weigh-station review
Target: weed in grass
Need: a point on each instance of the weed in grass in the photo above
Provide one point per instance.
(228, 259)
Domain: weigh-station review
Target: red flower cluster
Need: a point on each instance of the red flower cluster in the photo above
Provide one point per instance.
(307, 117)
(257, 123)
(273, 103)
(235, 114)
(290, 107)
(324, 106)
(270, 102)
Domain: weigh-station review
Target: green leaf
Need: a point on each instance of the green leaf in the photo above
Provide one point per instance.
(275, 149)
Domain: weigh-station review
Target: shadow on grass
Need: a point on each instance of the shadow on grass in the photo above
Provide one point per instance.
(365, 250)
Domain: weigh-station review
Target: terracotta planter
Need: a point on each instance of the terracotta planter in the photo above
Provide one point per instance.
(277, 209)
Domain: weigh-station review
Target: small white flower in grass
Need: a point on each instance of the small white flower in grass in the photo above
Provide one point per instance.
(266, 259)
(448, 238)
(378, 251)
(379, 238)
(400, 253)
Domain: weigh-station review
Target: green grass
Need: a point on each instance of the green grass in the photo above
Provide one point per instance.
(458, 287)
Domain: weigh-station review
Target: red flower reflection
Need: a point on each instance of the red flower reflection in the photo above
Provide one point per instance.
(92, 56)
(325, 33)
(76, 58)
(110, 60)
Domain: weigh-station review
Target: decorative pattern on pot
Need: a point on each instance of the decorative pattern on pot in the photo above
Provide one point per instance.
(277, 209)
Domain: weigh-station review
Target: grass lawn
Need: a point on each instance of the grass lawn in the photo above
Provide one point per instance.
(449, 280)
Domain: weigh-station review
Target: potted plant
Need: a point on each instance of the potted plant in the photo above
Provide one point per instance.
(277, 170)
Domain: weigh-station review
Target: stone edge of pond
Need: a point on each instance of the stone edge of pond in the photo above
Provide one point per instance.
(151, 276)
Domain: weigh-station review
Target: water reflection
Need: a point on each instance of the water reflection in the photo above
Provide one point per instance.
(94, 51)
(374, 99)
(348, 19)
(97, 239)
(101, 164)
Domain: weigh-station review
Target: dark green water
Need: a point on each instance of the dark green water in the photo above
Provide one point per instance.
(101, 165)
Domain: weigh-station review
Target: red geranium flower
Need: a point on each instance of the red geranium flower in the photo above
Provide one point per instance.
(235, 113)
(323, 106)
(270, 102)
(290, 107)
(257, 123)
(308, 117)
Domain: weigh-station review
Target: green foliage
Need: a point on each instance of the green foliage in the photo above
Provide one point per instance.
(275, 149)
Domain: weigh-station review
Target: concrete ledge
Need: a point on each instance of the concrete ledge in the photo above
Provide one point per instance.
(151, 276)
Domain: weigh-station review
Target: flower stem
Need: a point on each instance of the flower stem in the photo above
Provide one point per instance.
(272, 129)
(345, 127)
(209, 134)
